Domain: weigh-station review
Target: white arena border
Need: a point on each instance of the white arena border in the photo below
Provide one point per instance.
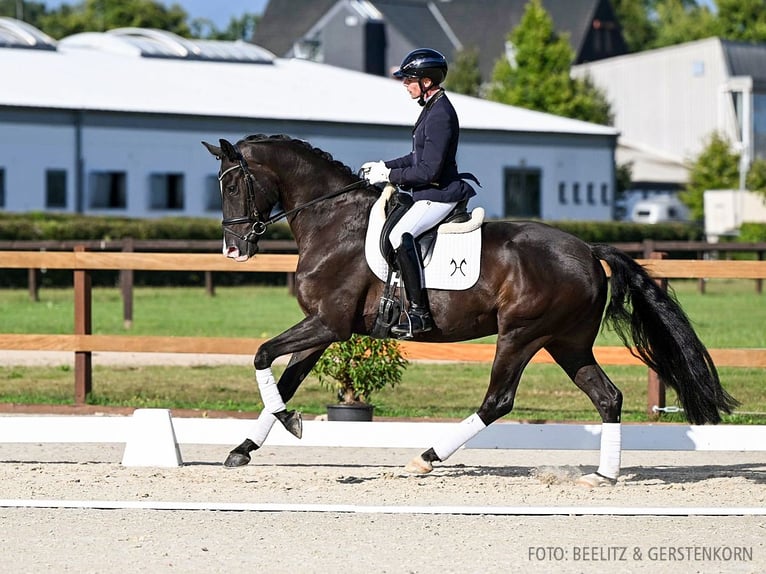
(362, 509)
(148, 423)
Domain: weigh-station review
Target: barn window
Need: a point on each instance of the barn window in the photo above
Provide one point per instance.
(522, 192)
(166, 191)
(589, 194)
(55, 188)
(576, 193)
(605, 194)
(212, 194)
(108, 190)
(2, 187)
(562, 193)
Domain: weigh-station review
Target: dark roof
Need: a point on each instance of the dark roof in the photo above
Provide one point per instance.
(415, 21)
(746, 60)
(483, 24)
(285, 21)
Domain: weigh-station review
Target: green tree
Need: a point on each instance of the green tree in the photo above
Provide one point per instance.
(464, 76)
(716, 167)
(634, 19)
(100, 15)
(743, 20)
(678, 21)
(537, 74)
(239, 28)
(756, 177)
(30, 12)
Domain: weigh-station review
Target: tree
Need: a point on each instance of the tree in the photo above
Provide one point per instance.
(716, 167)
(536, 75)
(679, 21)
(464, 76)
(743, 20)
(238, 29)
(100, 15)
(756, 177)
(637, 27)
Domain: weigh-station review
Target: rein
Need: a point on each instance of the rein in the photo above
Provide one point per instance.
(259, 225)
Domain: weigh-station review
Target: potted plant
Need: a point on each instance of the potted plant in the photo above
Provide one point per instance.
(355, 369)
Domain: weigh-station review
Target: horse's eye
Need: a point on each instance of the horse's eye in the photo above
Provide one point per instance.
(232, 189)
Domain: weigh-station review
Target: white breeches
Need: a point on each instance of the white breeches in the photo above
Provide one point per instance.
(422, 216)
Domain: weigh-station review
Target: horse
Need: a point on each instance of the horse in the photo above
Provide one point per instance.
(538, 288)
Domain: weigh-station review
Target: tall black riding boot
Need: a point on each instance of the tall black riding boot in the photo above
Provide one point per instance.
(419, 315)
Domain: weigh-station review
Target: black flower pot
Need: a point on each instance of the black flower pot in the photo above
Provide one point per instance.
(353, 412)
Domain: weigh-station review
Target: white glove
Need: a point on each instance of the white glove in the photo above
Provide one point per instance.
(375, 172)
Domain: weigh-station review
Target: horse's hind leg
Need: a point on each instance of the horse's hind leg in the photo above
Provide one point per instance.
(510, 360)
(297, 369)
(582, 368)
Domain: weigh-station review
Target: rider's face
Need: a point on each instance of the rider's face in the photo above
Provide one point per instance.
(414, 88)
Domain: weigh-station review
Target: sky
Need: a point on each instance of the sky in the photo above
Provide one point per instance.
(219, 12)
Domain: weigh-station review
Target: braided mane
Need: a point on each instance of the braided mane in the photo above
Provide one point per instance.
(263, 138)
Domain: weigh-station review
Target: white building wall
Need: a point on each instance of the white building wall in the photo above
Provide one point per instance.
(667, 100)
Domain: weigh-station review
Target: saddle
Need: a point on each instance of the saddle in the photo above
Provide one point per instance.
(396, 207)
(450, 252)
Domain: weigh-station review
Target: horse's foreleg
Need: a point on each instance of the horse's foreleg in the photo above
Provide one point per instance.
(298, 368)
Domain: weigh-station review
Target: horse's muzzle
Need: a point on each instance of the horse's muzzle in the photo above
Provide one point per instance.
(234, 252)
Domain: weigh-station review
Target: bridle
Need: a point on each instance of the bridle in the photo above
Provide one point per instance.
(253, 216)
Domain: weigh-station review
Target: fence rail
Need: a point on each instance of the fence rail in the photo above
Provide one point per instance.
(83, 343)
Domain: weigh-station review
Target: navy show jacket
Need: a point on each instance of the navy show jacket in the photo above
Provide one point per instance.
(430, 170)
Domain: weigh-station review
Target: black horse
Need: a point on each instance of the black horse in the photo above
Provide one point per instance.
(539, 288)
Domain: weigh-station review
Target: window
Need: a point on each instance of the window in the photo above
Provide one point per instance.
(55, 188)
(562, 193)
(212, 194)
(576, 193)
(2, 188)
(108, 190)
(522, 192)
(166, 191)
(605, 194)
(589, 194)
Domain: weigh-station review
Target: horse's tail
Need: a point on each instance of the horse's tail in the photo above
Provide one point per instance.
(663, 338)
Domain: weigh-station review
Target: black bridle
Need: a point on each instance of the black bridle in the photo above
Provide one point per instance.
(254, 216)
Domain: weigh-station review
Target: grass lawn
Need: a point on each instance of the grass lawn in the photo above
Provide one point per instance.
(730, 314)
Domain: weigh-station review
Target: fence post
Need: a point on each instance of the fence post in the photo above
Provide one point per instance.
(33, 280)
(209, 285)
(759, 282)
(83, 369)
(126, 286)
(655, 391)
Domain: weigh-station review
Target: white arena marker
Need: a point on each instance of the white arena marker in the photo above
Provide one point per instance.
(151, 440)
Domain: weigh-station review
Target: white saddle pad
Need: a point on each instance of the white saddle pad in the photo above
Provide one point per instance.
(455, 262)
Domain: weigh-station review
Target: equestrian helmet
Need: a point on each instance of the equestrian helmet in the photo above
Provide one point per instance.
(423, 63)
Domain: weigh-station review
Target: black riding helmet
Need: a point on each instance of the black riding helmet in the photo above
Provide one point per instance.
(423, 63)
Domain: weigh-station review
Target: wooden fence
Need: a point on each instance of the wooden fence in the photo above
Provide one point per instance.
(83, 343)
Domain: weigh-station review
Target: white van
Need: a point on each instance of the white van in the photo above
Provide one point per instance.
(659, 209)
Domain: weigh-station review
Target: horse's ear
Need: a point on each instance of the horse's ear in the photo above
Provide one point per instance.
(231, 153)
(216, 151)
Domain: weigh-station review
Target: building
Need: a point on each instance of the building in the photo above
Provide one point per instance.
(111, 123)
(373, 36)
(668, 102)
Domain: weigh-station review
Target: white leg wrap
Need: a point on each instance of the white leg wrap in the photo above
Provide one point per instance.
(262, 427)
(466, 430)
(272, 400)
(611, 446)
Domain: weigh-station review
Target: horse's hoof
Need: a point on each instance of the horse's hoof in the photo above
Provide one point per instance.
(595, 480)
(292, 421)
(236, 459)
(418, 466)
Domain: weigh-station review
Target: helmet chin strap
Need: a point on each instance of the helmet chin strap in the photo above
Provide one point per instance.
(422, 97)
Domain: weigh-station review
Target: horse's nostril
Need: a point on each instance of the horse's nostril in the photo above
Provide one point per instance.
(232, 251)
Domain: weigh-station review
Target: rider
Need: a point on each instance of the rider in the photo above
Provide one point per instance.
(429, 173)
